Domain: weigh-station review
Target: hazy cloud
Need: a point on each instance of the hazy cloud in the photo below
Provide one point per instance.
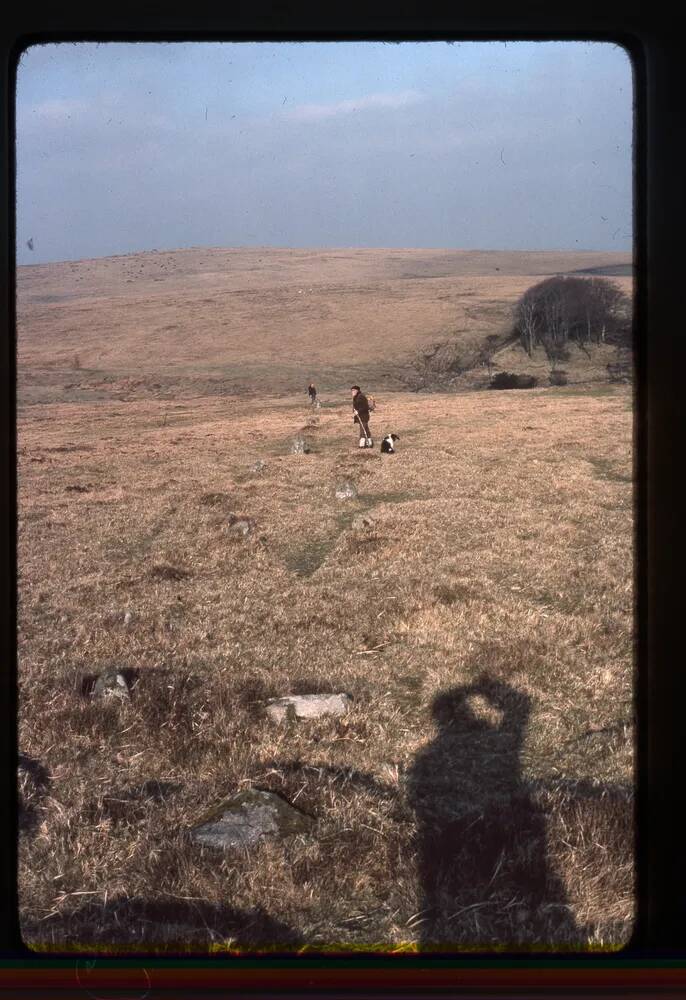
(58, 110)
(315, 112)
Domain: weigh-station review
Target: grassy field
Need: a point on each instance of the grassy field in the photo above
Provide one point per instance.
(262, 321)
(477, 796)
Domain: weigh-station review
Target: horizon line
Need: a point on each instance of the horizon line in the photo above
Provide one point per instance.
(323, 248)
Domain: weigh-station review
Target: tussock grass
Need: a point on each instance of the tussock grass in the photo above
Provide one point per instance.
(477, 795)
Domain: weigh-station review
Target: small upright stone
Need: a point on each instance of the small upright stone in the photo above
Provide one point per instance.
(299, 446)
(346, 490)
(241, 526)
(258, 466)
(111, 684)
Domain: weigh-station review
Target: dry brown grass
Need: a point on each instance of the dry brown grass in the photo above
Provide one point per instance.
(247, 320)
(477, 796)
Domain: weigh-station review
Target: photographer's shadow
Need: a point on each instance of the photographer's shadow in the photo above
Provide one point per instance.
(482, 856)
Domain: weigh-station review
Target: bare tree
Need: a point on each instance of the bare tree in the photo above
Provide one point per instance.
(604, 306)
(527, 321)
(488, 350)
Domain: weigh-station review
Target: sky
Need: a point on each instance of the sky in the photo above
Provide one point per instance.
(126, 147)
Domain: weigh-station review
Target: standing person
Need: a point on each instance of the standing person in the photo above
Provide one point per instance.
(361, 416)
(312, 393)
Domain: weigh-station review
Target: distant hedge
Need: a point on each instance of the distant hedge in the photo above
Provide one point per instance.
(508, 380)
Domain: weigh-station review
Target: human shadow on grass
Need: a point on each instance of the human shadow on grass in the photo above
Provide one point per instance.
(136, 925)
(344, 777)
(33, 781)
(485, 878)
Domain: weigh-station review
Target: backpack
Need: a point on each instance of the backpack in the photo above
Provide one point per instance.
(372, 403)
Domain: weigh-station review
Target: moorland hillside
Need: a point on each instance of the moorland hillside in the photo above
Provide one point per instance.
(267, 320)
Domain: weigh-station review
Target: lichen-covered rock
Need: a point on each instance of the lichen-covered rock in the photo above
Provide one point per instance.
(299, 446)
(243, 819)
(308, 706)
(346, 490)
(111, 684)
(241, 526)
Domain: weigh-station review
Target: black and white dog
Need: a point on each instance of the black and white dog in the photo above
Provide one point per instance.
(388, 444)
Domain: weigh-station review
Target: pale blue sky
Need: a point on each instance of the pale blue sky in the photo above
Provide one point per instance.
(129, 147)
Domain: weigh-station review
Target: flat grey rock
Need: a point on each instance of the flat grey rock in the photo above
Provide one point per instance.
(308, 706)
(111, 684)
(346, 490)
(259, 466)
(243, 819)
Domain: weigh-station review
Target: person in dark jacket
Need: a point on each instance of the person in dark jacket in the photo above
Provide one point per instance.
(361, 416)
(312, 392)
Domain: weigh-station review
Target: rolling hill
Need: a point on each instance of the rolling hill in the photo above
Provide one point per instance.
(267, 320)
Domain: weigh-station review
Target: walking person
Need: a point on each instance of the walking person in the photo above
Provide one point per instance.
(361, 416)
(312, 393)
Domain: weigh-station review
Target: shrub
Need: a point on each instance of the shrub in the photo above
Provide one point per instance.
(619, 372)
(556, 352)
(558, 378)
(508, 380)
